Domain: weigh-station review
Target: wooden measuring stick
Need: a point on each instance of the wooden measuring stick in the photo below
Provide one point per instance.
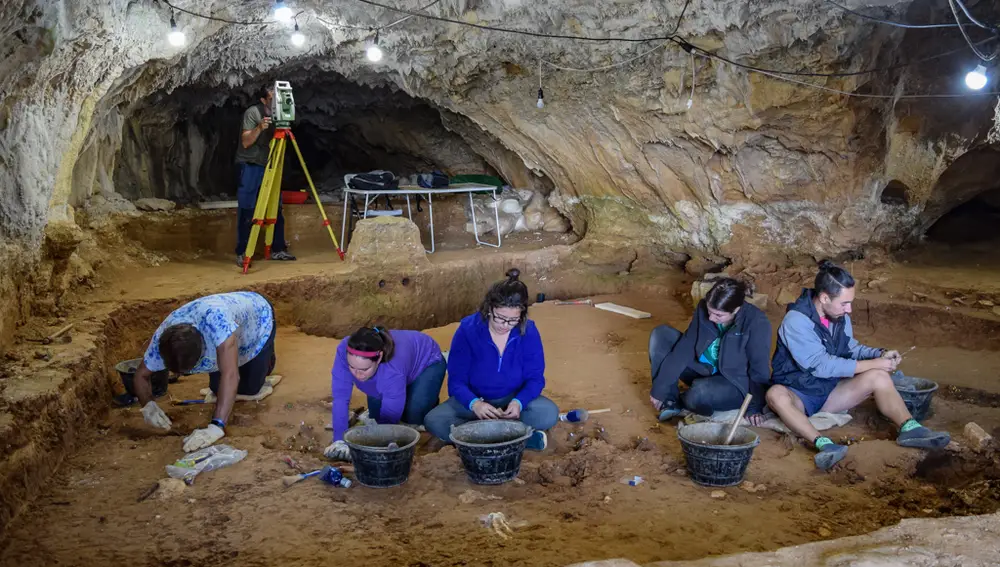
(739, 418)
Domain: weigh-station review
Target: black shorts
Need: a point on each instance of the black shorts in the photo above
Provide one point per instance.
(253, 373)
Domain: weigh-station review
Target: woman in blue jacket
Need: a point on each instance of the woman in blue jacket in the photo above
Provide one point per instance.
(496, 367)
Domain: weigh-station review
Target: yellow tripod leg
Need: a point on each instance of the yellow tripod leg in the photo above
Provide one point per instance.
(271, 217)
(260, 208)
(326, 221)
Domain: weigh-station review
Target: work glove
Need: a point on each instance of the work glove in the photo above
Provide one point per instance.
(338, 451)
(201, 438)
(155, 417)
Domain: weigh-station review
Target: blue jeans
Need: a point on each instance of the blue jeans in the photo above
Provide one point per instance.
(708, 393)
(421, 395)
(541, 414)
(250, 177)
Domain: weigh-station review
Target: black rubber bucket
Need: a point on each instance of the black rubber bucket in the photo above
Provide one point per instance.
(708, 461)
(126, 370)
(377, 465)
(916, 393)
(491, 449)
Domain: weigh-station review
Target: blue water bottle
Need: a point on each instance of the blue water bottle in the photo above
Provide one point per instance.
(332, 475)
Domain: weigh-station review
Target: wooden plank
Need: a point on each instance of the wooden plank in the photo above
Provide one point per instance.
(622, 310)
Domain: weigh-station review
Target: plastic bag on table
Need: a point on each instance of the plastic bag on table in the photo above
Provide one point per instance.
(204, 460)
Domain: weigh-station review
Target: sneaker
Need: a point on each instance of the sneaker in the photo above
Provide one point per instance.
(282, 256)
(830, 455)
(923, 438)
(538, 441)
(124, 400)
(669, 411)
(239, 260)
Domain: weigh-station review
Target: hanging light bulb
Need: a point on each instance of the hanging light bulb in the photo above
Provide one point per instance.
(282, 13)
(541, 96)
(976, 79)
(176, 36)
(374, 52)
(298, 40)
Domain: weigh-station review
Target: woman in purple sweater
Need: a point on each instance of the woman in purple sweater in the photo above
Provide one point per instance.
(400, 371)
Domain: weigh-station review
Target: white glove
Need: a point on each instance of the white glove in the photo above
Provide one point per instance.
(364, 419)
(338, 451)
(200, 438)
(155, 417)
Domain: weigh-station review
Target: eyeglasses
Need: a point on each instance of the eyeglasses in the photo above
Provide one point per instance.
(506, 320)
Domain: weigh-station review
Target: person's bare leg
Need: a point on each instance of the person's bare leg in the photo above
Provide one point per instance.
(792, 411)
(851, 392)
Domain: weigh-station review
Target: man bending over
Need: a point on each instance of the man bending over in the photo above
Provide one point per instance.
(819, 366)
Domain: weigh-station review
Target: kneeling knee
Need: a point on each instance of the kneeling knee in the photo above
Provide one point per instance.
(778, 396)
(541, 414)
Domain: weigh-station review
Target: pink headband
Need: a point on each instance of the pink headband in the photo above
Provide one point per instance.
(364, 353)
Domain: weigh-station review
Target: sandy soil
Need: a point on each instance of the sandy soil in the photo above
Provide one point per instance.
(569, 504)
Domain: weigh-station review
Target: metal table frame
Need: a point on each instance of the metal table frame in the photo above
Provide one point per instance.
(407, 190)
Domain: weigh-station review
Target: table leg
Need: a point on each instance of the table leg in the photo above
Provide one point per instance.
(475, 227)
(430, 211)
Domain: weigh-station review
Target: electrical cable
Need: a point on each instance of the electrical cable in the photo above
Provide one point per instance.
(891, 23)
(686, 46)
(217, 19)
(680, 18)
(604, 67)
(968, 40)
(519, 32)
(682, 43)
(404, 18)
(971, 18)
(861, 95)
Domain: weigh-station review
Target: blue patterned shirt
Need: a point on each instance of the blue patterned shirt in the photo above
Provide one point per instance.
(217, 317)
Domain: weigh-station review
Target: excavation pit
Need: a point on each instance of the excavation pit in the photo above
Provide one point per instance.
(595, 359)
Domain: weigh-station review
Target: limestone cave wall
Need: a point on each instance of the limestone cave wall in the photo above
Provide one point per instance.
(96, 101)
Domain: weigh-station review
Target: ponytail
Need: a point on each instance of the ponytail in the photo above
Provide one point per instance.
(510, 292)
(832, 279)
(369, 340)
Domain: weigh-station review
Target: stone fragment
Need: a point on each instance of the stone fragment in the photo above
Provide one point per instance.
(718, 494)
(786, 296)
(977, 436)
(150, 204)
(386, 241)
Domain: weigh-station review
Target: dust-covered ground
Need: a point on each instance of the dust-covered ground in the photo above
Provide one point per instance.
(568, 504)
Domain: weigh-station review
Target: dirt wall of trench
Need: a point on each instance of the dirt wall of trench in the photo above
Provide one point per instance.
(46, 401)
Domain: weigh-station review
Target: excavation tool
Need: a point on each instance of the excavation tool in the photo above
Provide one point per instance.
(292, 479)
(265, 213)
(739, 418)
(578, 415)
(51, 338)
(574, 302)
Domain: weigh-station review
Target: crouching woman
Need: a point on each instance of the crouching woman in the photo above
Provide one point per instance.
(400, 371)
(723, 356)
(496, 367)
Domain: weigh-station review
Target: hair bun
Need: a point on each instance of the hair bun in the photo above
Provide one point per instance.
(826, 265)
(513, 274)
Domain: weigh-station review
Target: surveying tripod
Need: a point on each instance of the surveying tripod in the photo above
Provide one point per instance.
(265, 213)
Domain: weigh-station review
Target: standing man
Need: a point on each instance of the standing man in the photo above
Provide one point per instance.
(256, 132)
(230, 336)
